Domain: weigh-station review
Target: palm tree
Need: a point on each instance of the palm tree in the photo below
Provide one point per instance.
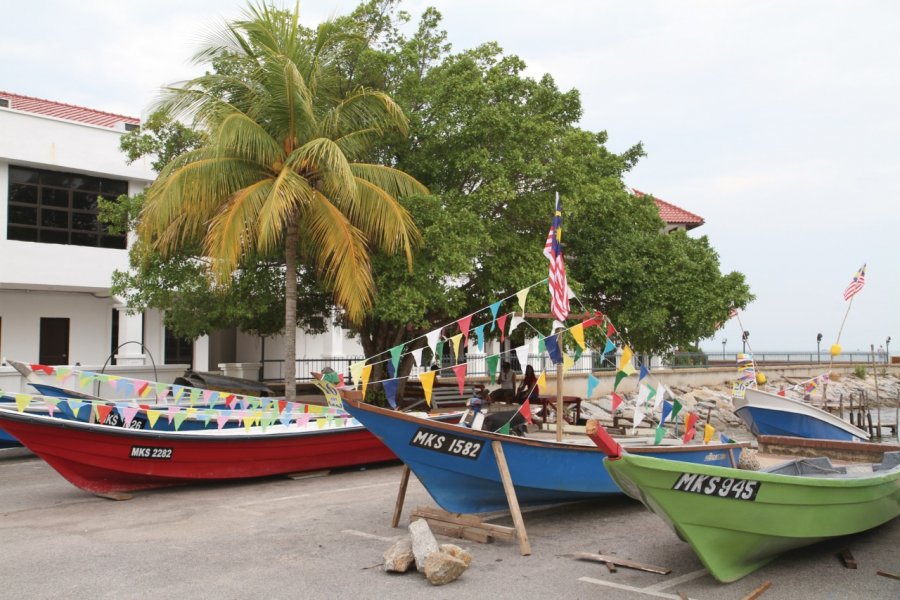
(279, 171)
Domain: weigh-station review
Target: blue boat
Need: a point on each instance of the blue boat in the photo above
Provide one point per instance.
(770, 414)
(457, 465)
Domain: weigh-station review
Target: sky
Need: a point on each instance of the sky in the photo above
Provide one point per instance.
(778, 121)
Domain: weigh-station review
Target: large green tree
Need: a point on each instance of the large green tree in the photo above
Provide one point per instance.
(280, 170)
(494, 146)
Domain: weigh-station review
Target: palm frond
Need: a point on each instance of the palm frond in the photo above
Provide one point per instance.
(385, 221)
(288, 195)
(341, 256)
(232, 229)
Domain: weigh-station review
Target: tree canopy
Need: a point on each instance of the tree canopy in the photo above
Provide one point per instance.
(493, 145)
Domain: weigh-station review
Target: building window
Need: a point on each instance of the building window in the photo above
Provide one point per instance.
(178, 350)
(60, 208)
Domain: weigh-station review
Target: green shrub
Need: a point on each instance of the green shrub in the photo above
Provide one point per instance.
(859, 371)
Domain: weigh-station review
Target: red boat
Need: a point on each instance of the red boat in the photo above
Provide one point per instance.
(108, 461)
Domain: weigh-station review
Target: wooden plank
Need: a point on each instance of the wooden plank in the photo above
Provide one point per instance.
(848, 559)
(309, 474)
(758, 591)
(401, 497)
(510, 490)
(886, 574)
(620, 562)
(458, 531)
(436, 515)
(470, 526)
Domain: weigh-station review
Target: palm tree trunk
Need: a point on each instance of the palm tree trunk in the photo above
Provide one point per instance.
(290, 310)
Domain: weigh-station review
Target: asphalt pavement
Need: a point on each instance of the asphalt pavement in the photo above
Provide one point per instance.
(323, 537)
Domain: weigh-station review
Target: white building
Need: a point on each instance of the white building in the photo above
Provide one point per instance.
(56, 261)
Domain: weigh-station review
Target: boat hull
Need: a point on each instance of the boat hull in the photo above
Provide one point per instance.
(734, 535)
(770, 414)
(104, 460)
(542, 472)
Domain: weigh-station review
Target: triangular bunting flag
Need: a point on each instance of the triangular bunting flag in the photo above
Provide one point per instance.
(643, 394)
(22, 401)
(433, 337)
(417, 356)
(525, 410)
(522, 295)
(660, 396)
(666, 411)
(437, 358)
(456, 342)
(619, 377)
(625, 364)
(542, 381)
(542, 345)
(180, 416)
(708, 431)
(522, 355)
(504, 429)
(460, 372)
(464, 324)
(390, 390)
(616, 401)
(365, 375)
(479, 336)
(592, 383)
(491, 364)
(501, 323)
(638, 417)
(495, 308)
(660, 433)
(427, 380)
(552, 344)
(676, 408)
(567, 363)
(396, 351)
(610, 330)
(577, 332)
(356, 370)
(689, 435)
(610, 346)
(644, 372)
(103, 411)
(153, 416)
(128, 414)
(514, 322)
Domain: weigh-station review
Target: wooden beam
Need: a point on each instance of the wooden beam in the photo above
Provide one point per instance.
(848, 559)
(463, 524)
(401, 496)
(509, 488)
(758, 591)
(620, 562)
(886, 574)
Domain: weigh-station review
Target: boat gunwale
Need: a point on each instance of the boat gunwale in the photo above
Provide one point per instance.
(452, 427)
(864, 479)
(233, 435)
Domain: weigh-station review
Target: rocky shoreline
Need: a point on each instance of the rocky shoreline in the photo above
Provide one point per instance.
(713, 403)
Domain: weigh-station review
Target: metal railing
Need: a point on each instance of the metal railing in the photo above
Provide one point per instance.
(273, 369)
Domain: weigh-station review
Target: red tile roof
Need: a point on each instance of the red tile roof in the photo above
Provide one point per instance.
(674, 215)
(69, 112)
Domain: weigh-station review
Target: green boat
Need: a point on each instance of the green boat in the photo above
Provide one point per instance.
(737, 521)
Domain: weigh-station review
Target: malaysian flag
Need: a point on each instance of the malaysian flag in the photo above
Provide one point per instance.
(859, 280)
(559, 289)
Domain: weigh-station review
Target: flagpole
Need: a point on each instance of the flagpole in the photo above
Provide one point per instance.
(831, 354)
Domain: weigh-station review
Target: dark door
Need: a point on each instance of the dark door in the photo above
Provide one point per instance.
(54, 341)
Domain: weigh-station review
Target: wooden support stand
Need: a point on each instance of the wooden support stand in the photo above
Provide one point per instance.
(471, 527)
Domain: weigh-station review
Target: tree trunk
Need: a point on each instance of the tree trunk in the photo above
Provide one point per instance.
(290, 310)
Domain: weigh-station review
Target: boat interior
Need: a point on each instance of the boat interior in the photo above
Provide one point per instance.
(821, 466)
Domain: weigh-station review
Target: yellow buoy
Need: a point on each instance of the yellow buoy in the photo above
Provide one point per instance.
(835, 349)
(761, 378)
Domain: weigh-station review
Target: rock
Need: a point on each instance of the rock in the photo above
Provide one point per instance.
(456, 551)
(441, 568)
(423, 542)
(749, 461)
(399, 557)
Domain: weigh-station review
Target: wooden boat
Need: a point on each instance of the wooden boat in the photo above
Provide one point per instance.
(737, 521)
(790, 446)
(108, 460)
(770, 414)
(457, 466)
